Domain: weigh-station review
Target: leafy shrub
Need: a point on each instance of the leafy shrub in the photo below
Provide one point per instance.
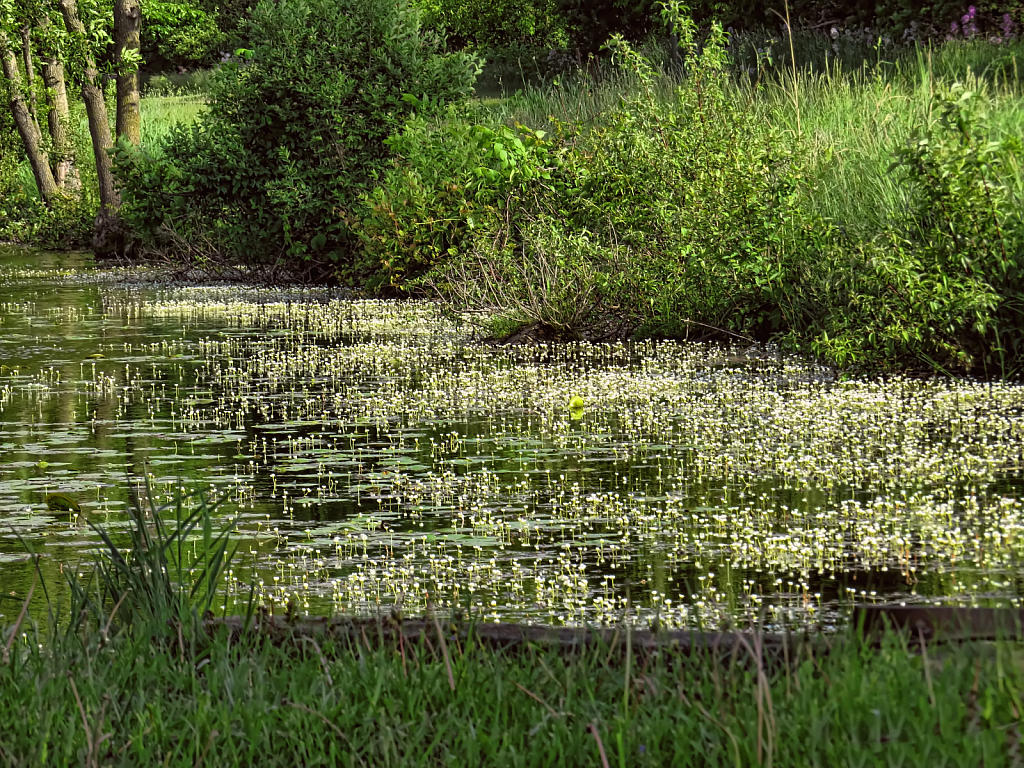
(946, 287)
(66, 223)
(702, 187)
(449, 178)
(273, 172)
(179, 34)
(695, 200)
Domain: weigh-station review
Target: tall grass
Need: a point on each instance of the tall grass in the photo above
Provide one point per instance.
(164, 574)
(160, 114)
(852, 124)
(851, 119)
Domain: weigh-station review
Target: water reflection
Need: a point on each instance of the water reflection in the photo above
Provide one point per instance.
(377, 455)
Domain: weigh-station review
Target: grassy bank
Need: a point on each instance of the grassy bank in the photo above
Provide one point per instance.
(867, 215)
(129, 676)
(134, 701)
(861, 205)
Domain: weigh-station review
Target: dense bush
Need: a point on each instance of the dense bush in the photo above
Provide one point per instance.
(946, 286)
(681, 216)
(700, 190)
(272, 173)
(179, 34)
(65, 224)
(450, 177)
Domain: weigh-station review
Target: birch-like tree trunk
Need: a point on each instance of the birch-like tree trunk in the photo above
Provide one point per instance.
(27, 127)
(99, 123)
(58, 120)
(58, 114)
(127, 27)
(30, 72)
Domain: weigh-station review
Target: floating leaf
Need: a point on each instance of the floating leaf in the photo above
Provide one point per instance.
(95, 356)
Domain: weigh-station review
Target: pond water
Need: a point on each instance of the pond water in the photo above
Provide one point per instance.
(375, 455)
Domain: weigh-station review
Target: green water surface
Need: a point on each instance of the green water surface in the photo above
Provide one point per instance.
(377, 454)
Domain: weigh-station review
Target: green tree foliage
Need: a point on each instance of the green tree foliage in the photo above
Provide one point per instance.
(585, 25)
(272, 173)
(231, 15)
(179, 34)
(11, 152)
(496, 23)
(593, 22)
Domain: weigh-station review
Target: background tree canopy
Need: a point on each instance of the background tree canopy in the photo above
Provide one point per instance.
(292, 137)
(183, 34)
(191, 33)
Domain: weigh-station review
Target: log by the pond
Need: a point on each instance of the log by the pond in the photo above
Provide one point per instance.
(513, 638)
(940, 623)
(917, 622)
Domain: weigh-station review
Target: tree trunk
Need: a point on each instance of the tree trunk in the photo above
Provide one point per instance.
(59, 122)
(27, 128)
(108, 236)
(127, 26)
(99, 123)
(30, 73)
(58, 116)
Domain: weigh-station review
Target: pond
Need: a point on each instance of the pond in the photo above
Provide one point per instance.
(375, 454)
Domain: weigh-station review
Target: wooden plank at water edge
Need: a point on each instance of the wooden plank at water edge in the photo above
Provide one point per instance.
(940, 622)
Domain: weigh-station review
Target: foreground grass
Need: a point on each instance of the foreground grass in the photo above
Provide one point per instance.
(130, 677)
(133, 702)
